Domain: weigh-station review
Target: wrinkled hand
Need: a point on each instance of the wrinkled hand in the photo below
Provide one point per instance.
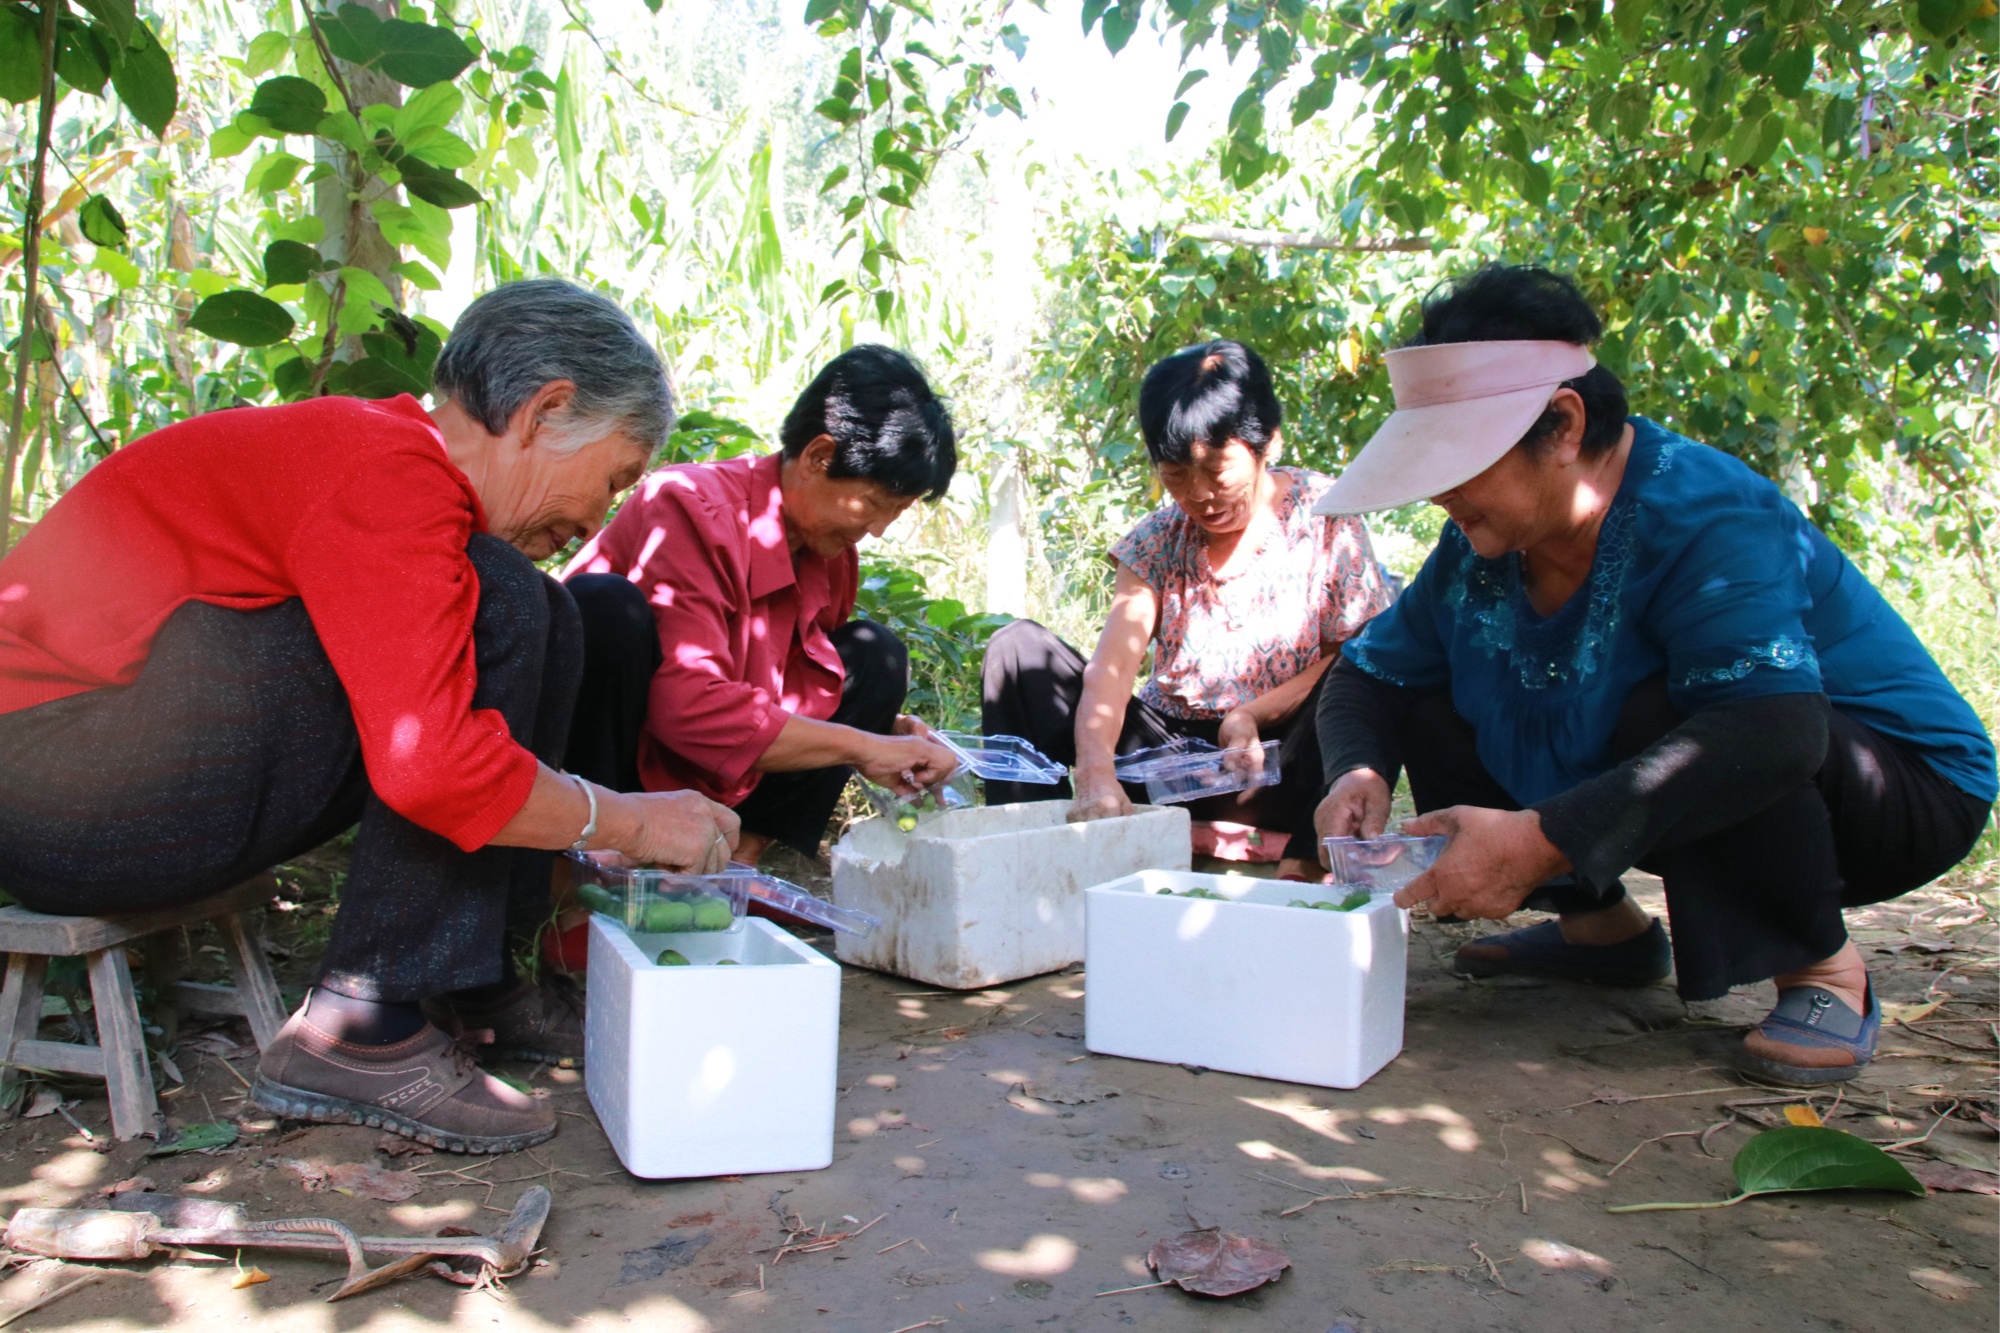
(1357, 807)
(1098, 796)
(908, 724)
(907, 763)
(683, 831)
(1242, 747)
(1494, 860)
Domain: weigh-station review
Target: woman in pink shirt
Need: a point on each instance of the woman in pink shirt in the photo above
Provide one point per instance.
(1242, 592)
(720, 652)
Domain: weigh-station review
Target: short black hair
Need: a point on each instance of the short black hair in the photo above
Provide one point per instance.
(886, 425)
(1209, 394)
(1521, 302)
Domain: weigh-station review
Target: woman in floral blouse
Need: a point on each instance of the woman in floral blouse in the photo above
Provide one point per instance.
(1244, 593)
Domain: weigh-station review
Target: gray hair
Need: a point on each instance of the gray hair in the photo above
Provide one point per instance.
(519, 337)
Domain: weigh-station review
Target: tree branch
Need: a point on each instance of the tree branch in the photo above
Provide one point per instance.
(31, 264)
(1304, 240)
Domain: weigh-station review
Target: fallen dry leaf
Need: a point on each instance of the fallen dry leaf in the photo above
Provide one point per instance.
(354, 1178)
(129, 1184)
(1802, 1114)
(1910, 1012)
(248, 1277)
(1950, 1179)
(1939, 1282)
(47, 1101)
(1210, 1263)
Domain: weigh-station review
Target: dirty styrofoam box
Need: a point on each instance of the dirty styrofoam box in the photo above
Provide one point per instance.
(710, 1070)
(977, 897)
(1244, 983)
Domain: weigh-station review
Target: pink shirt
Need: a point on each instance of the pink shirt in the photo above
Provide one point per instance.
(1223, 641)
(743, 622)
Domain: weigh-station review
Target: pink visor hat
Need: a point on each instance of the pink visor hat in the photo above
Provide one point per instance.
(1459, 408)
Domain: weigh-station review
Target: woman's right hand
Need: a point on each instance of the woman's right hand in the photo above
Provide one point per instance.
(1098, 796)
(680, 830)
(1357, 807)
(906, 764)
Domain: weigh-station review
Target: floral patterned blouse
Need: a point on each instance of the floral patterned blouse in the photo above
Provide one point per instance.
(1224, 640)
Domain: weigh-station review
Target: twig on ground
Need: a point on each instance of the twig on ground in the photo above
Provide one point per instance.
(75, 1124)
(1622, 1099)
(928, 1323)
(897, 1246)
(819, 1242)
(1911, 1143)
(1649, 1245)
(1939, 1036)
(1143, 1286)
(1697, 1134)
(1543, 1133)
(86, 1280)
(1524, 1196)
(750, 1291)
(1492, 1269)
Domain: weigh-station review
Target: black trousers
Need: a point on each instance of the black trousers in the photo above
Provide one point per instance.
(1033, 683)
(235, 750)
(1762, 897)
(621, 652)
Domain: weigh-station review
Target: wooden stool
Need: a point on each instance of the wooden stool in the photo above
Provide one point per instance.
(30, 939)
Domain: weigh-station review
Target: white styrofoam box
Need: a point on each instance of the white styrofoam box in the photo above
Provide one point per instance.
(976, 897)
(1245, 984)
(705, 1070)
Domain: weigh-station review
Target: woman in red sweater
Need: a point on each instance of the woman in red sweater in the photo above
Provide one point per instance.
(241, 634)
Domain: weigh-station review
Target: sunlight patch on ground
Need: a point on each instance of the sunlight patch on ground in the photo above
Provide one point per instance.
(1305, 1115)
(1087, 1189)
(1270, 1152)
(1043, 1256)
(1456, 1132)
(1555, 1254)
(1568, 1176)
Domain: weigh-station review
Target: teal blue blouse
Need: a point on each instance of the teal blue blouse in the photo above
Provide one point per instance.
(1704, 571)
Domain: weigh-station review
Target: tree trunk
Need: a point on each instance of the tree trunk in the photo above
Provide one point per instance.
(341, 200)
(31, 272)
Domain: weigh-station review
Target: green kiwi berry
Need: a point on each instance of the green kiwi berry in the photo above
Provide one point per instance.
(671, 958)
(667, 917)
(713, 914)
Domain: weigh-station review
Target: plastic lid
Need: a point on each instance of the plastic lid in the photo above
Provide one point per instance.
(631, 886)
(1135, 767)
(1002, 758)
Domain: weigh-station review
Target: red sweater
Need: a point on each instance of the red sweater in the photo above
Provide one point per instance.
(354, 508)
(744, 623)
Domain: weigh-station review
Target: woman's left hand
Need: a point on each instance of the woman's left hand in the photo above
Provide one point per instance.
(1494, 861)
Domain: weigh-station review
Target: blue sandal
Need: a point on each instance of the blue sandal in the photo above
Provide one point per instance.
(1541, 951)
(1809, 1016)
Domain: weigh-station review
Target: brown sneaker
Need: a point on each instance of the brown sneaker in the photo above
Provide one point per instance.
(535, 1022)
(425, 1088)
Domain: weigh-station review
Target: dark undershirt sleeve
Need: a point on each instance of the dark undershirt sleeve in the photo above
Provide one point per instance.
(1359, 716)
(1720, 766)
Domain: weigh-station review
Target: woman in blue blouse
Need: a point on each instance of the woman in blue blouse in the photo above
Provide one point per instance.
(1629, 649)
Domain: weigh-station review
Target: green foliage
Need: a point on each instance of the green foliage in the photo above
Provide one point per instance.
(947, 643)
(1797, 1158)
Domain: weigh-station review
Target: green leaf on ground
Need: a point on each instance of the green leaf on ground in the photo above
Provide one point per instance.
(1813, 1157)
(1795, 1158)
(290, 103)
(242, 317)
(202, 1137)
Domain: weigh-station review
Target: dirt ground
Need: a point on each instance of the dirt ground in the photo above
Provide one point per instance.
(994, 1176)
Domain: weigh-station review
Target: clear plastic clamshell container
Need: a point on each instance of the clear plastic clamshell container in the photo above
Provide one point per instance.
(664, 902)
(905, 811)
(1188, 770)
(1380, 865)
(1002, 758)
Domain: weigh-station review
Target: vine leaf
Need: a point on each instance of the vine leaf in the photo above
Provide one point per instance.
(435, 185)
(242, 317)
(117, 15)
(415, 55)
(20, 55)
(290, 103)
(290, 261)
(143, 76)
(1794, 1158)
(101, 222)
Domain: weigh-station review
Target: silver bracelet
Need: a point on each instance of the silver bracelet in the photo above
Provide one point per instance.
(582, 843)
